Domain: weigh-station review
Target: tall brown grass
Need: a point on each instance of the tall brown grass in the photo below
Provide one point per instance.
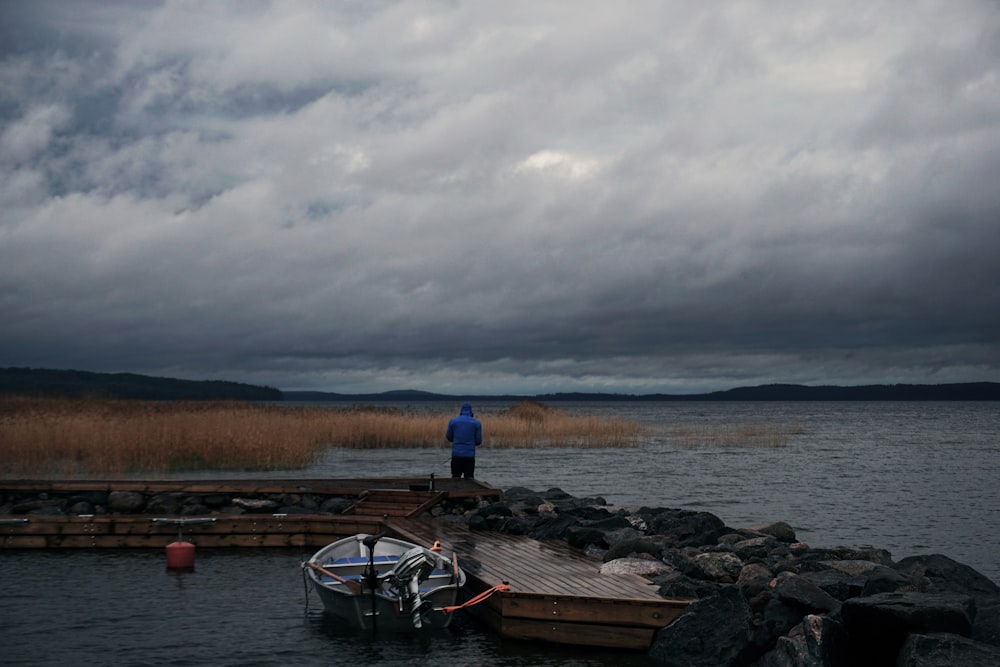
(50, 436)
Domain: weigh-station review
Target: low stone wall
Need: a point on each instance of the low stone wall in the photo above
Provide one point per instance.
(180, 503)
(50, 503)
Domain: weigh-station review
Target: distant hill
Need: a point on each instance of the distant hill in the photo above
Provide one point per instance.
(76, 384)
(38, 381)
(969, 391)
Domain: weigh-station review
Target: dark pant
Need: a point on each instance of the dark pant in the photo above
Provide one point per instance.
(463, 465)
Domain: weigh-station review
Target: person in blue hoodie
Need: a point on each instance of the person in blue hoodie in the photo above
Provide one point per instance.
(465, 433)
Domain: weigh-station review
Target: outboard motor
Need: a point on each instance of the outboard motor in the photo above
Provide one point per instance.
(413, 567)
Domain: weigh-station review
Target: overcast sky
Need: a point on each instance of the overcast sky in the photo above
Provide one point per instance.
(494, 197)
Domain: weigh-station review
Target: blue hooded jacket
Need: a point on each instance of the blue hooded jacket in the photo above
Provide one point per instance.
(465, 433)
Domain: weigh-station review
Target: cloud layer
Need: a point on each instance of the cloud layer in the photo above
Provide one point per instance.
(502, 197)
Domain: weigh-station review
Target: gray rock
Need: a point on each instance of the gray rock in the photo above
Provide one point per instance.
(754, 579)
(944, 574)
(816, 642)
(778, 530)
(581, 536)
(194, 510)
(946, 650)
(687, 528)
(642, 566)
(712, 632)
(517, 526)
(256, 504)
(882, 579)
(81, 507)
(335, 505)
(126, 502)
(855, 568)
(803, 594)
(755, 547)
(51, 510)
(164, 503)
(722, 567)
(620, 548)
(27, 506)
(878, 624)
(835, 582)
(627, 536)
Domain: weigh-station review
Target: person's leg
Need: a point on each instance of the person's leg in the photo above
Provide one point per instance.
(470, 469)
(456, 467)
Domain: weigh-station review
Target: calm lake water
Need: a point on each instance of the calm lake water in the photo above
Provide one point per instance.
(913, 478)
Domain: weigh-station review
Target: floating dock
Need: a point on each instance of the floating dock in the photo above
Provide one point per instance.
(557, 593)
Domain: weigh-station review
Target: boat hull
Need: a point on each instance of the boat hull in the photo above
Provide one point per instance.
(337, 574)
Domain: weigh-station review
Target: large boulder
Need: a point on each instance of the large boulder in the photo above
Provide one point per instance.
(940, 573)
(818, 641)
(581, 536)
(620, 548)
(555, 527)
(935, 572)
(946, 650)
(678, 586)
(711, 632)
(803, 594)
(837, 583)
(685, 528)
(877, 625)
(778, 530)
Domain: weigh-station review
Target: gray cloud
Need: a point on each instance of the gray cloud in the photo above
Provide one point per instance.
(462, 197)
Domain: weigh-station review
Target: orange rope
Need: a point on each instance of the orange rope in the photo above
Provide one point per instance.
(503, 588)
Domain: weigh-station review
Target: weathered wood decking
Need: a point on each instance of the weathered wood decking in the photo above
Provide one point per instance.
(557, 593)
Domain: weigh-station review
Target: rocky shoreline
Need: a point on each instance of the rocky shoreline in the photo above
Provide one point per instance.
(760, 597)
(764, 599)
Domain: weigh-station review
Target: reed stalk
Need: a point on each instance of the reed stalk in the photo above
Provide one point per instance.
(72, 437)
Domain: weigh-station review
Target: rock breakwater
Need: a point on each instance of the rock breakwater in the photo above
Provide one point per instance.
(761, 598)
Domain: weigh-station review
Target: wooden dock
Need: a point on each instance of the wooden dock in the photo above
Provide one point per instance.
(557, 593)
(375, 499)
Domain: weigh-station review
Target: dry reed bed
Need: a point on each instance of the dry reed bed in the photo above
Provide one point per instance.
(93, 436)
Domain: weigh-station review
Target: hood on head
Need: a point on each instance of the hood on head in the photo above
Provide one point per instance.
(467, 409)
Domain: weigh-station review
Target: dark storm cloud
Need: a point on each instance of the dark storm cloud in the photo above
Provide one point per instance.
(462, 197)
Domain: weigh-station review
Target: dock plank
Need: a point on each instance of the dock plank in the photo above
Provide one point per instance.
(556, 594)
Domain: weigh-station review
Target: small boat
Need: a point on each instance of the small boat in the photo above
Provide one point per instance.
(375, 582)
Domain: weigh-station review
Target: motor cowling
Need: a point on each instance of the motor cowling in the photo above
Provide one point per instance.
(414, 563)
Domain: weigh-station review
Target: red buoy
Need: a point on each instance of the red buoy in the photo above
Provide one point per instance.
(180, 556)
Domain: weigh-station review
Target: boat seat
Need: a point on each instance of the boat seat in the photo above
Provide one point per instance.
(361, 560)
